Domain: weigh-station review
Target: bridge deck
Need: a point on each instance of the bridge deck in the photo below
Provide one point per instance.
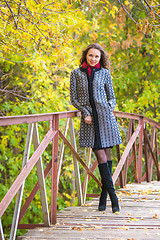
(139, 218)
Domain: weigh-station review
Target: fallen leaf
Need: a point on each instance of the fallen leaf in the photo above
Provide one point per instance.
(98, 227)
(117, 213)
(134, 219)
(124, 228)
(155, 216)
(79, 229)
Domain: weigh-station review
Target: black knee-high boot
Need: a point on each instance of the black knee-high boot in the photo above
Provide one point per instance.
(103, 197)
(107, 186)
(110, 166)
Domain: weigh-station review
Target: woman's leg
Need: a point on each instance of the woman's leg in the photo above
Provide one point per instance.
(102, 159)
(109, 161)
(107, 184)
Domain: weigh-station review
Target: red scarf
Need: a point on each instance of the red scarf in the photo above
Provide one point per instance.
(89, 68)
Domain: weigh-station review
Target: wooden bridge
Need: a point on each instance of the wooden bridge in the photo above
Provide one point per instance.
(140, 146)
(139, 218)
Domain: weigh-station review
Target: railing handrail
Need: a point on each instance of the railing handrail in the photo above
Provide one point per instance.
(137, 117)
(32, 118)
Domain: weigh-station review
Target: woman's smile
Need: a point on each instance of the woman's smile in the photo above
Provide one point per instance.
(93, 57)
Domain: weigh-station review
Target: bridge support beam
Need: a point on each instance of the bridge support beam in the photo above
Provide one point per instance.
(139, 165)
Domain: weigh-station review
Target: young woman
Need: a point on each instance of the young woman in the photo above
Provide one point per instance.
(91, 92)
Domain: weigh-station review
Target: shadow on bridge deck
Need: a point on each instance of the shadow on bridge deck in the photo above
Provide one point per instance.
(139, 218)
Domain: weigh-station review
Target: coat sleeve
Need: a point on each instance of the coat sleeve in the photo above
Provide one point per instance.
(110, 91)
(74, 97)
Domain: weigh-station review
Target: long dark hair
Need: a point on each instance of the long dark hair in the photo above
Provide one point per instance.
(104, 61)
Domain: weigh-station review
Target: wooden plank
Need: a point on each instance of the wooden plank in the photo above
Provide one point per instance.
(41, 179)
(30, 226)
(125, 153)
(76, 166)
(20, 192)
(79, 158)
(25, 171)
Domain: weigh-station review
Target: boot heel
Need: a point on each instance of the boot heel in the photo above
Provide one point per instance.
(102, 201)
(107, 185)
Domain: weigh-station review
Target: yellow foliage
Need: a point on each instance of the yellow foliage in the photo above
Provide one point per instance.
(3, 144)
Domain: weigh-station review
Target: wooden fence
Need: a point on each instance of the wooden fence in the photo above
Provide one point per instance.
(141, 144)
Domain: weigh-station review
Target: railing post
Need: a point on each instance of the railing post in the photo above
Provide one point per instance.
(54, 190)
(84, 192)
(156, 150)
(126, 162)
(41, 179)
(148, 172)
(61, 154)
(1, 231)
(121, 174)
(141, 122)
(134, 155)
(150, 157)
(150, 149)
(75, 162)
(20, 192)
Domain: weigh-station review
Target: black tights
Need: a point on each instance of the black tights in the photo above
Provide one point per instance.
(103, 155)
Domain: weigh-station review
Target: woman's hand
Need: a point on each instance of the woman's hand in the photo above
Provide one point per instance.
(88, 119)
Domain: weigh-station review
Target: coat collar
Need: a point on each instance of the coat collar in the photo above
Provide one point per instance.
(85, 69)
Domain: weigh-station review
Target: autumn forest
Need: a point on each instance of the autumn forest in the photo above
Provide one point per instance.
(41, 43)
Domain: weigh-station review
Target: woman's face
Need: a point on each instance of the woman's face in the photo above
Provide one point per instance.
(93, 56)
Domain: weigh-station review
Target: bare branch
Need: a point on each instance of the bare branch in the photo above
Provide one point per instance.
(150, 11)
(122, 5)
(13, 93)
(8, 5)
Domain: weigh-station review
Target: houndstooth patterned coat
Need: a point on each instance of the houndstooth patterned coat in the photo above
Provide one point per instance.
(104, 102)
